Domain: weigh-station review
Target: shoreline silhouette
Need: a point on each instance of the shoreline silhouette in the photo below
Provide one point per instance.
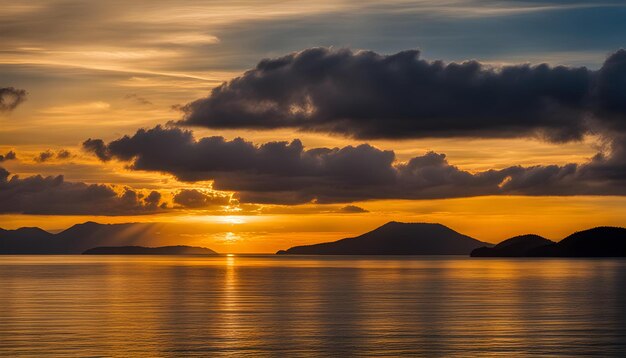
(142, 250)
(603, 241)
(392, 238)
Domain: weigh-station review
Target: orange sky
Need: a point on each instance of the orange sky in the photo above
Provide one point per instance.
(114, 84)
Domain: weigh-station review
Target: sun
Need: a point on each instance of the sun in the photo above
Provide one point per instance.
(232, 219)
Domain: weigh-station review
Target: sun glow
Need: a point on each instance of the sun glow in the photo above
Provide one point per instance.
(230, 237)
(231, 219)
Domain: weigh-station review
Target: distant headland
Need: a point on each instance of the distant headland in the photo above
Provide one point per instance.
(141, 250)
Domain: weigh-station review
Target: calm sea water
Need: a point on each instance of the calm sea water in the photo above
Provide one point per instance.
(310, 305)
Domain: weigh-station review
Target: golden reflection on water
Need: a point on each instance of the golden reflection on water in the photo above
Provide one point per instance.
(238, 305)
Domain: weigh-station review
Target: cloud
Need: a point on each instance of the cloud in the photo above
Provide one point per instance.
(367, 95)
(10, 98)
(138, 99)
(198, 199)
(253, 171)
(352, 209)
(53, 195)
(153, 199)
(64, 154)
(44, 156)
(287, 173)
(97, 147)
(9, 156)
(48, 155)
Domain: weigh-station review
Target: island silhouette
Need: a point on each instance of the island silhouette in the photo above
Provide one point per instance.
(512, 247)
(141, 250)
(392, 238)
(76, 239)
(395, 238)
(603, 241)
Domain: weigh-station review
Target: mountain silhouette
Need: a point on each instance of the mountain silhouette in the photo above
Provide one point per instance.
(604, 241)
(28, 240)
(76, 239)
(514, 247)
(396, 238)
(393, 238)
(140, 250)
(601, 241)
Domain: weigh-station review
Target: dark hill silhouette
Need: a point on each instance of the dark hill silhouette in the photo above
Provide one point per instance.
(514, 247)
(601, 241)
(396, 238)
(140, 250)
(76, 239)
(81, 237)
(597, 242)
(27, 240)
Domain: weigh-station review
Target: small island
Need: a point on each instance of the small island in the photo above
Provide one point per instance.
(396, 238)
(141, 250)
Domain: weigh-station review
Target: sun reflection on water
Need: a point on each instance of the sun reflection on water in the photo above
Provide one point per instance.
(251, 305)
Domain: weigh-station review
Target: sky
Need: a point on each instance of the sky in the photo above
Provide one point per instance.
(253, 127)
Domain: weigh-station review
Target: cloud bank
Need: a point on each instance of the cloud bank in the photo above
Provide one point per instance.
(287, 173)
(53, 195)
(198, 199)
(367, 95)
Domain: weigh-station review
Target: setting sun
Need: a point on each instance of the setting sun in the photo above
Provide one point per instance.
(235, 220)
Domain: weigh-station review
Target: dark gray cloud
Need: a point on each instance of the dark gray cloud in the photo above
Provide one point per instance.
(352, 209)
(9, 156)
(97, 147)
(287, 173)
(282, 168)
(367, 95)
(44, 156)
(197, 199)
(54, 196)
(10, 98)
(63, 154)
(153, 200)
(48, 155)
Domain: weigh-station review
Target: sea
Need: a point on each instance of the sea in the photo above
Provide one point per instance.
(310, 306)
